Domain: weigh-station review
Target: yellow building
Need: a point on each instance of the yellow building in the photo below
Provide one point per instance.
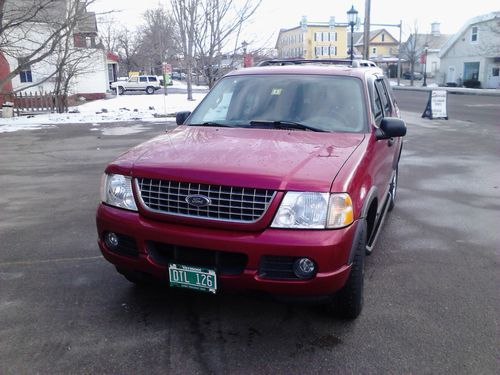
(382, 44)
(313, 41)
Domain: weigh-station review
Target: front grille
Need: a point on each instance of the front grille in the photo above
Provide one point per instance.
(277, 267)
(227, 203)
(225, 263)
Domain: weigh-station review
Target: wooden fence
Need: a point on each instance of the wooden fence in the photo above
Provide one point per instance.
(25, 103)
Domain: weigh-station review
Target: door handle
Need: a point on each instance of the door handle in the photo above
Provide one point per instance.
(390, 142)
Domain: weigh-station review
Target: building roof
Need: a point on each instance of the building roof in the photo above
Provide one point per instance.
(359, 36)
(475, 20)
(88, 23)
(433, 41)
(35, 11)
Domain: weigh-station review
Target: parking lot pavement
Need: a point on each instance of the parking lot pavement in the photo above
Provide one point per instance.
(431, 297)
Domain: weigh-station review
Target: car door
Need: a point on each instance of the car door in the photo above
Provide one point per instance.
(133, 82)
(143, 83)
(384, 150)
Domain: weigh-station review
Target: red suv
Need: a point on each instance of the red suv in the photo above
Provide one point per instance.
(278, 182)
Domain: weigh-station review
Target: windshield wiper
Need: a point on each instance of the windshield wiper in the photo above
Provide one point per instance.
(286, 125)
(211, 123)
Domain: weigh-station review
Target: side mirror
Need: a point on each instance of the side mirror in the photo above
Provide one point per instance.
(391, 127)
(180, 117)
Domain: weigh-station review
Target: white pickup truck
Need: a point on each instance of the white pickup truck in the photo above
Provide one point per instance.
(137, 83)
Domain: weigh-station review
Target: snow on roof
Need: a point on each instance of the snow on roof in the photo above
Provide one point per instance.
(465, 27)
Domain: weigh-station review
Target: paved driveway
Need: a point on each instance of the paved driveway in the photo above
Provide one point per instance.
(431, 290)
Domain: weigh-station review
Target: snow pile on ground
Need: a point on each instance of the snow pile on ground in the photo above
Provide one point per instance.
(128, 107)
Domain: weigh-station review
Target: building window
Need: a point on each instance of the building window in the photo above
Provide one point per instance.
(495, 72)
(471, 71)
(473, 37)
(383, 37)
(374, 50)
(25, 74)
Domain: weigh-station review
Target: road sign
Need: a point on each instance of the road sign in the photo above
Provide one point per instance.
(436, 105)
(167, 68)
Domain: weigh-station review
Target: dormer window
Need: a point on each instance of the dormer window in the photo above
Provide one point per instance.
(473, 37)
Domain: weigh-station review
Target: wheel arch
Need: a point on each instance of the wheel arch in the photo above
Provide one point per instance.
(369, 210)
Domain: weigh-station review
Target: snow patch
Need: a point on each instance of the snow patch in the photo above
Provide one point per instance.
(123, 130)
(118, 109)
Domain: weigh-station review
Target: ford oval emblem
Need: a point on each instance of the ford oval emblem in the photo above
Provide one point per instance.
(198, 200)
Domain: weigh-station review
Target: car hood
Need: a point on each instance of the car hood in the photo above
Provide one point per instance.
(260, 158)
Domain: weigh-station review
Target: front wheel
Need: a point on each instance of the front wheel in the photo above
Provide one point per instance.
(348, 301)
(121, 90)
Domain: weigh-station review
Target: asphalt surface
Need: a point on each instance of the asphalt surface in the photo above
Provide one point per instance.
(431, 297)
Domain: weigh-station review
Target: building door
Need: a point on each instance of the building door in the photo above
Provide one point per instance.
(450, 77)
(493, 81)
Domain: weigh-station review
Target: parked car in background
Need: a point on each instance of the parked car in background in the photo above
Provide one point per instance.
(416, 75)
(278, 182)
(147, 83)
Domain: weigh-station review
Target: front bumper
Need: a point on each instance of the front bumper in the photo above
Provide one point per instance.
(328, 248)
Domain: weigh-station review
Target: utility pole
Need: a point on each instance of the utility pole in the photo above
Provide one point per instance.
(366, 31)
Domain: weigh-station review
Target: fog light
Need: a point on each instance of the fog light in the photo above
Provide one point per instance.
(304, 268)
(111, 240)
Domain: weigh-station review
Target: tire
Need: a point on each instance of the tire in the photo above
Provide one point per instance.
(150, 90)
(134, 277)
(121, 90)
(348, 301)
(393, 190)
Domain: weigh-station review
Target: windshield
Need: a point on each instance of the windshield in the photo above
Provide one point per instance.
(326, 103)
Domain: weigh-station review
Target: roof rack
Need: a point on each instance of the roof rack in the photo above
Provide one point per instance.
(347, 62)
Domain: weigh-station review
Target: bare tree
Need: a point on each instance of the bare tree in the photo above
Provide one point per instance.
(23, 22)
(127, 50)
(187, 17)
(157, 42)
(223, 19)
(109, 32)
(411, 50)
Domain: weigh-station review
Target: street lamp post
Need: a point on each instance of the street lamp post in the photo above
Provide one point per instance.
(426, 49)
(352, 17)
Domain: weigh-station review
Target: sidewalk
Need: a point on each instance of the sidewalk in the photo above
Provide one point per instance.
(452, 90)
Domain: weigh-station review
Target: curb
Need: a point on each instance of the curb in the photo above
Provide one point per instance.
(451, 90)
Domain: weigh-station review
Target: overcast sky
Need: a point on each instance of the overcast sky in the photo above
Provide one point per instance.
(273, 15)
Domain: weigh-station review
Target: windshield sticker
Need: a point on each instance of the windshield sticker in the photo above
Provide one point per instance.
(276, 91)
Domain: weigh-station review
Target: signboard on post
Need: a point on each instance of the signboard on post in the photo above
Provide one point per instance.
(167, 74)
(247, 60)
(436, 105)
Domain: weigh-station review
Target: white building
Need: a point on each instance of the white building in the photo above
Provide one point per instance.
(474, 53)
(91, 80)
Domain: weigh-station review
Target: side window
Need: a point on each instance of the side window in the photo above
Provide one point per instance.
(133, 79)
(152, 79)
(384, 97)
(377, 107)
(143, 79)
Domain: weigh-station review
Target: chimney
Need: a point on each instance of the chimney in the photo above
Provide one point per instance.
(435, 29)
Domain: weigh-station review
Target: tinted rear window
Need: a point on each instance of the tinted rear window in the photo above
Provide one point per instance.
(330, 103)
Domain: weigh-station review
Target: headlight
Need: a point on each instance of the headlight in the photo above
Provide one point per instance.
(117, 191)
(310, 210)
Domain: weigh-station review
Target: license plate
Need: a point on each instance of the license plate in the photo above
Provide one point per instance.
(202, 279)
